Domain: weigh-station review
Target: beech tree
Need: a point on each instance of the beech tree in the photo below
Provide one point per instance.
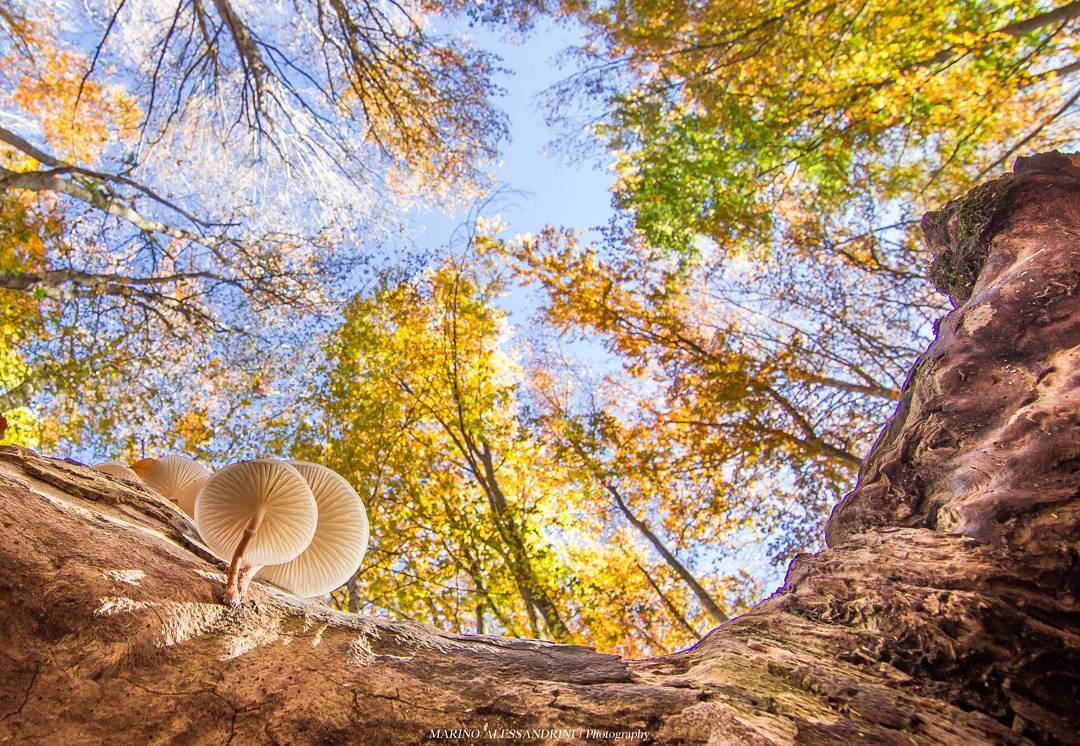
(742, 399)
(632, 482)
(444, 448)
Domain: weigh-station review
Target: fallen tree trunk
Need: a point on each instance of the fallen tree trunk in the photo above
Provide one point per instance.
(944, 611)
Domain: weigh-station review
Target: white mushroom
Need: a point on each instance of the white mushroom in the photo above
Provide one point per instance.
(340, 540)
(255, 513)
(176, 477)
(116, 469)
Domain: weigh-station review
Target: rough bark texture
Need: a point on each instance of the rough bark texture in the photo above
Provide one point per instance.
(944, 611)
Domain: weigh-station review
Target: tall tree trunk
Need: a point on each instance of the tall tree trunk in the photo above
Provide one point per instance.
(943, 611)
(353, 595)
(703, 596)
(536, 597)
(479, 618)
(677, 615)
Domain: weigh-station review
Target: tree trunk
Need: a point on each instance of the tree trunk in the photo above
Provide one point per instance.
(351, 591)
(533, 593)
(671, 607)
(943, 611)
(712, 608)
(708, 603)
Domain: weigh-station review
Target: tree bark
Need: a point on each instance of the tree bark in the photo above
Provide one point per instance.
(943, 611)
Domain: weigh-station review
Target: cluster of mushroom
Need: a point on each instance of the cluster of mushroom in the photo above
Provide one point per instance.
(300, 524)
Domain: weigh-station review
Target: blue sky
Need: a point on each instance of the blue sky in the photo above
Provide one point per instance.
(540, 186)
(543, 187)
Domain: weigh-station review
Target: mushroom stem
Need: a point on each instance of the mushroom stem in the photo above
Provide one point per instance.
(239, 577)
(247, 572)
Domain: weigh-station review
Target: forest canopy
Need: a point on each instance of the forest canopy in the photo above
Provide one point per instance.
(611, 437)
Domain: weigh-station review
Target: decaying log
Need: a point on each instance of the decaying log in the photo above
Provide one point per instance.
(943, 611)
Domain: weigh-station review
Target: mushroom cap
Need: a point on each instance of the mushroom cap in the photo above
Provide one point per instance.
(185, 497)
(116, 469)
(175, 477)
(235, 495)
(340, 540)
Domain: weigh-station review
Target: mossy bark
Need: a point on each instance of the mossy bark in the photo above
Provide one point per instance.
(944, 610)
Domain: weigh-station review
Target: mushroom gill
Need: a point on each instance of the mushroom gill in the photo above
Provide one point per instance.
(340, 540)
(176, 477)
(255, 513)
